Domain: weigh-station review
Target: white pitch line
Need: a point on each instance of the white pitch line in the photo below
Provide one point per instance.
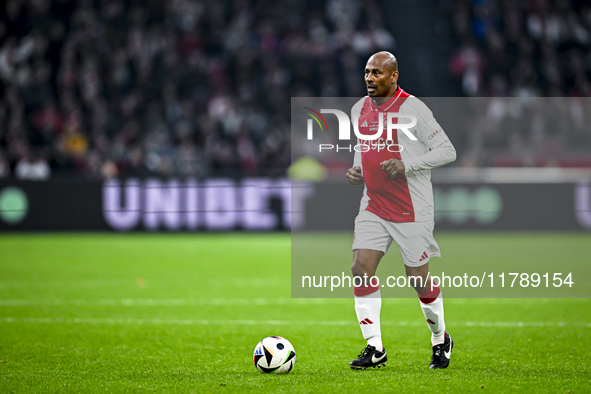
(119, 283)
(146, 302)
(172, 302)
(203, 322)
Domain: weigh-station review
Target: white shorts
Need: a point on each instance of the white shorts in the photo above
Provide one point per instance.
(415, 239)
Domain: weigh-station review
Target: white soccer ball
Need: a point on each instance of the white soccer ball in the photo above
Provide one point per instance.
(274, 355)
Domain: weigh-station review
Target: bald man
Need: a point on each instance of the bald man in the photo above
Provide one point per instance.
(397, 204)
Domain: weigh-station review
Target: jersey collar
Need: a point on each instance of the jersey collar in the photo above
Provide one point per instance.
(386, 106)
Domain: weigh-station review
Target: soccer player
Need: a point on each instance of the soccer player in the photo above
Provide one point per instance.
(397, 204)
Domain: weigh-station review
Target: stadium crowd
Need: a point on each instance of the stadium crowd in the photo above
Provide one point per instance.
(522, 48)
(102, 88)
(180, 87)
(536, 48)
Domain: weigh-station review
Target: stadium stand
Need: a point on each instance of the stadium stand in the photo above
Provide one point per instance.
(101, 88)
(537, 48)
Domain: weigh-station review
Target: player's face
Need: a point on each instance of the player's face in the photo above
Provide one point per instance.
(380, 81)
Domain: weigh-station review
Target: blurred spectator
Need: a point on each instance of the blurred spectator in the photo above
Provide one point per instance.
(4, 167)
(32, 167)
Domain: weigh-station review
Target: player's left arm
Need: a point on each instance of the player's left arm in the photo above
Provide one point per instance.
(429, 132)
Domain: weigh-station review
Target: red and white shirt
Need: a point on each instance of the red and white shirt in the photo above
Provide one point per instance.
(408, 197)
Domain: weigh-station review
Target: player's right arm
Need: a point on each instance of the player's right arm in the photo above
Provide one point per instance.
(355, 173)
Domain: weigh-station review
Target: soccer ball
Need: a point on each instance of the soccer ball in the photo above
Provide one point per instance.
(274, 355)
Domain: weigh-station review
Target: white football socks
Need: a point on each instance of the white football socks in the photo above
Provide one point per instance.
(434, 315)
(368, 314)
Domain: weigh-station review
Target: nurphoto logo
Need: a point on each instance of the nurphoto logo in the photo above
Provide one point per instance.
(367, 141)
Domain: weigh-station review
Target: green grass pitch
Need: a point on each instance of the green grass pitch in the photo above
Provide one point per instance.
(182, 313)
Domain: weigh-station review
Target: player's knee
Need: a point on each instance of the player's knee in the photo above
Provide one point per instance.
(422, 285)
(358, 268)
(421, 290)
(365, 262)
(419, 281)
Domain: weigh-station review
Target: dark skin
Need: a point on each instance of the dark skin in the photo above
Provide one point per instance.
(381, 77)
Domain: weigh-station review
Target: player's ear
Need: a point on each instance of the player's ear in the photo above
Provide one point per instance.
(394, 76)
